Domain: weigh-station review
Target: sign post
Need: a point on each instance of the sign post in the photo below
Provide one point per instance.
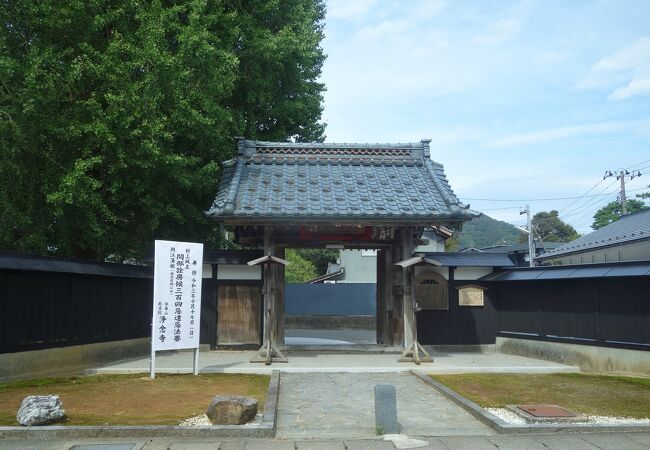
(176, 319)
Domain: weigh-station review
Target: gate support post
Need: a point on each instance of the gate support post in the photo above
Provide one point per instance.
(269, 353)
(412, 351)
(407, 276)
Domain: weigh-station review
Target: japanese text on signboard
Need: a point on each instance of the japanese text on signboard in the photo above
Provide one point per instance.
(177, 295)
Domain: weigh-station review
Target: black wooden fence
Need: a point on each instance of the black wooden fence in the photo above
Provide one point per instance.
(459, 325)
(51, 302)
(331, 299)
(611, 312)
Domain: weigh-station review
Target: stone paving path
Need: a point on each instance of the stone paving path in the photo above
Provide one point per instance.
(582, 441)
(231, 361)
(341, 405)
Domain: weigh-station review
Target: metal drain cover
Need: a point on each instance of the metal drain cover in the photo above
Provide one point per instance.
(546, 411)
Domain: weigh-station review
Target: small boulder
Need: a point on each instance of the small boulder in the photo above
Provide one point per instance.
(40, 410)
(232, 410)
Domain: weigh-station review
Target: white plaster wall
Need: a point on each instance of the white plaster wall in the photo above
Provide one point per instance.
(436, 243)
(471, 273)
(207, 271)
(358, 268)
(587, 357)
(444, 271)
(69, 360)
(238, 272)
(627, 252)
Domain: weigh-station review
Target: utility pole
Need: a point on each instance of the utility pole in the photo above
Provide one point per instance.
(531, 246)
(622, 173)
(621, 176)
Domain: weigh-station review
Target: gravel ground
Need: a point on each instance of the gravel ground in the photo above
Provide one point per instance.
(203, 421)
(507, 415)
(514, 419)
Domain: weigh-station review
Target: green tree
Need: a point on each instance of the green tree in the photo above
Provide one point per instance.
(484, 231)
(614, 211)
(299, 269)
(114, 116)
(451, 244)
(551, 228)
(319, 257)
(277, 95)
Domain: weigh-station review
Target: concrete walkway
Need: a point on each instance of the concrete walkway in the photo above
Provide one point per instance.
(588, 441)
(238, 362)
(341, 406)
(303, 336)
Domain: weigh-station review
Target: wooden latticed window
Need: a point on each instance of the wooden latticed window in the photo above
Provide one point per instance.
(431, 291)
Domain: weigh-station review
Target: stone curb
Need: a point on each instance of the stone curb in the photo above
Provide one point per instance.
(265, 429)
(504, 427)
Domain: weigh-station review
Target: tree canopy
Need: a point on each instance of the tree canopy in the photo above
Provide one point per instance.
(114, 117)
(299, 269)
(551, 228)
(319, 257)
(484, 231)
(614, 211)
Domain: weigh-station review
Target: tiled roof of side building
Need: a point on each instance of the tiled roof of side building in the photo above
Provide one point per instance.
(320, 181)
(629, 228)
(519, 247)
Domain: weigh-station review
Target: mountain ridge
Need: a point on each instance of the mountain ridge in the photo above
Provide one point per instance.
(484, 231)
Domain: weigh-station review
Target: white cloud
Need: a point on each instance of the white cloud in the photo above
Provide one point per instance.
(551, 58)
(499, 31)
(638, 86)
(560, 133)
(626, 72)
(401, 52)
(504, 28)
(349, 10)
(389, 23)
(628, 58)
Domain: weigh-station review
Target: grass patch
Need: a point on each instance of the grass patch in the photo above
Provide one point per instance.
(586, 394)
(131, 399)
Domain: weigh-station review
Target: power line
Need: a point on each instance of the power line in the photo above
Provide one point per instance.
(622, 174)
(593, 205)
(590, 214)
(638, 164)
(583, 196)
(589, 204)
(542, 199)
(530, 199)
(588, 211)
(501, 209)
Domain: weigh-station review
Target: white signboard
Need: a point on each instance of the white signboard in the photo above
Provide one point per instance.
(176, 298)
(470, 296)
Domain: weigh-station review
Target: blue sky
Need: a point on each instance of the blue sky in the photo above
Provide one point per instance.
(523, 100)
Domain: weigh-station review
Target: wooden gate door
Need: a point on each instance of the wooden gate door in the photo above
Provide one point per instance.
(239, 312)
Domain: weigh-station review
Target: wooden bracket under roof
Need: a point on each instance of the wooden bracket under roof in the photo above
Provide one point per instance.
(417, 260)
(268, 259)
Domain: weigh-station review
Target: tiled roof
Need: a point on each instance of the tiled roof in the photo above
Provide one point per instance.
(321, 181)
(598, 270)
(629, 228)
(458, 259)
(519, 247)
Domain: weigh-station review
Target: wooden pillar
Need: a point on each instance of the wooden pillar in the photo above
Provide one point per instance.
(269, 352)
(412, 347)
(381, 297)
(269, 285)
(278, 329)
(388, 293)
(397, 291)
(406, 239)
